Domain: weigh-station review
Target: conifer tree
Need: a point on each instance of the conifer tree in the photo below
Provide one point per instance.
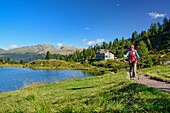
(121, 52)
(104, 45)
(165, 24)
(160, 47)
(48, 56)
(128, 42)
(134, 36)
(152, 26)
(110, 45)
(8, 60)
(61, 57)
(1, 60)
(169, 25)
(116, 42)
(94, 54)
(66, 58)
(160, 28)
(22, 62)
(155, 29)
(149, 61)
(142, 49)
(123, 41)
(57, 57)
(143, 34)
(81, 56)
(149, 44)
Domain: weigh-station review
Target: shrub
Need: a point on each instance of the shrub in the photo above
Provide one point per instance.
(149, 62)
(30, 97)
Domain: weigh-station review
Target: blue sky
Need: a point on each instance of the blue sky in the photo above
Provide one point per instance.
(78, 23)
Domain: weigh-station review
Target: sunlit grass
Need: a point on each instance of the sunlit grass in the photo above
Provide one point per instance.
(157, 72)
(12, 65)
(106, 93)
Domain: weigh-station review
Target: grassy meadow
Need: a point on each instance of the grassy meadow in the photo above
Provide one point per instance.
(106, 93)
(63, 65)
(12, 65)
(157, 72)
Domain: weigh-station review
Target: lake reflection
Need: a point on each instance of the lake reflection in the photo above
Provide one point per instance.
(15, 78)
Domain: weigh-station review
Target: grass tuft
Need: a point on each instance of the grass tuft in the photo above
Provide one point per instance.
(30, 97)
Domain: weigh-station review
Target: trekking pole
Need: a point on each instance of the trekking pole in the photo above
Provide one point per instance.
(139, 67)
(124, 62)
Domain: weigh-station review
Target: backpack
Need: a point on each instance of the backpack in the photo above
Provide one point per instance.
(132, 56)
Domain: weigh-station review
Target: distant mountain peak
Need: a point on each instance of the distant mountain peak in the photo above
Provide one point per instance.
(47, 45)
(68, 47)
(41, 48)
(28, 52)
(2, 50)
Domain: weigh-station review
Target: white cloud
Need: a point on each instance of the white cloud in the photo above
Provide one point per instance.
(59, 44)
(84, 40)
(13, 46)
(87, 28)
(155, 15)
(118, 5)
(72, 45)
(94, 42)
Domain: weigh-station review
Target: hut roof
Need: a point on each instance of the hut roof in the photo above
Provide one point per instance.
(103, 51)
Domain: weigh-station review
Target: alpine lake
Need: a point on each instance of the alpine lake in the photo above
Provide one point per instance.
(17, 78)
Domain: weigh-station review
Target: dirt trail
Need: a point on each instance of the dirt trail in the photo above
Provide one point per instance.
(165, 86)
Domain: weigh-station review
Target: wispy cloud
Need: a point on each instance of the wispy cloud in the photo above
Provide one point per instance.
(79, 43)
(86, 28)
(84, 40)
(72, 45)
(155, 15)
(13, 46)
(94, 42)
(59, 44)
(117, 5)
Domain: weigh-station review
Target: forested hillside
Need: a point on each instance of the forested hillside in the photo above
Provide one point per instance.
(150, 45)
(154, 41)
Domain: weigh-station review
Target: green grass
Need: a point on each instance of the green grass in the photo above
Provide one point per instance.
(102, 66)
(63, 65)
(56, 65)
(12, 65)
(157, 72)
(106, 93)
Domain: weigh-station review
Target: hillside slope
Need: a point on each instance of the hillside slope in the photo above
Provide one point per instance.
(2, 51)
(29, 53)
(41, 48)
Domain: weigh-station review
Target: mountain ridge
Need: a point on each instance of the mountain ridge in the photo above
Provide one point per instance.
(29, 53)
(41, 48)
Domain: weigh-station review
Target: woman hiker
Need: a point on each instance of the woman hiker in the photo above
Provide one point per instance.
(132, 53)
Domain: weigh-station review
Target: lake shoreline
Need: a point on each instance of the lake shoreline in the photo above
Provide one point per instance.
(19, 77)
(85, 94)
(51, 68)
